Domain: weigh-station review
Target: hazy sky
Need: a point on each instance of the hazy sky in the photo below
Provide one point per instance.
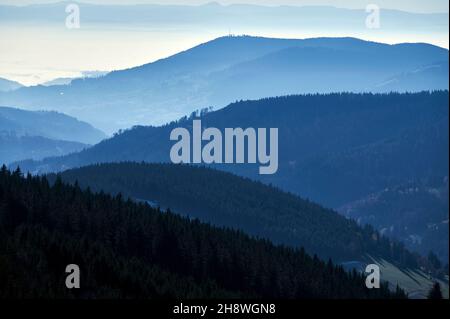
(425, 6)
(33, 52)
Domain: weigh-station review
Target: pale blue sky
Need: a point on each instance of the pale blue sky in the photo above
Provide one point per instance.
(422, 6)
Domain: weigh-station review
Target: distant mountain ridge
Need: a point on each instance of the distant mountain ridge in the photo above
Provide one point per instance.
(37, 135)
(83, 75)
(15, 147)
(214, 15)
(127, 250)
(227, 69)
(416, 213)
(47, 124)
(8, 85)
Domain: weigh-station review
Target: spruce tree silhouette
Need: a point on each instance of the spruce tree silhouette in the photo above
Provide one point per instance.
(435, 292)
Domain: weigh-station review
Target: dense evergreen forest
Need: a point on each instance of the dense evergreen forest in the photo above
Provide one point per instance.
(415, 213)
(333, 148)
(130, 250)
(224, 199)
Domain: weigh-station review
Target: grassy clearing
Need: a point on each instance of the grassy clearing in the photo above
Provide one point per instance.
(414, 281)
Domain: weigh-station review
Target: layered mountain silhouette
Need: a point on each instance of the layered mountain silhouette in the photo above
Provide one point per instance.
(8, 85)
(227, 69)
(37, 135)
(226, 200)
(51, 125)
(15, 147)
(162, 14)
(129, 250)
(415, 213)
(333, 148)
(363, 129)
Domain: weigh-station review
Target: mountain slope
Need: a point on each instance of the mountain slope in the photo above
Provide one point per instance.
(37, 135)
(429, 76)
(19, 147)
(8, 85)
(227, 200)
(51, 125)
(126, 250)
(333, 148)
(226, 69)
(416, 213)
(327, 69)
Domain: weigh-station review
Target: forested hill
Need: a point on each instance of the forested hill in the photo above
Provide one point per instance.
(227, 200)
(37, 135)
(333, 149)
(130, 250)
(51, 125)
(14, 147)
